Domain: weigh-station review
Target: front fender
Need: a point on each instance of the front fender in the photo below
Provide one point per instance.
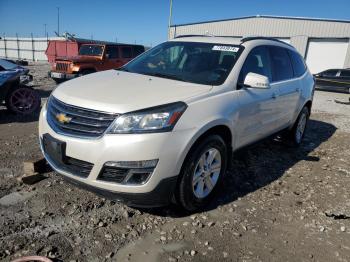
(193, 138)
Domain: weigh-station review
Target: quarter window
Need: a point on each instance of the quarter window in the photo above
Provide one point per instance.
(258, 62)
(281, 65)
(126, 52)
(298, 63)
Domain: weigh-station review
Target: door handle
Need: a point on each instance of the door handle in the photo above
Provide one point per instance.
(274, 95)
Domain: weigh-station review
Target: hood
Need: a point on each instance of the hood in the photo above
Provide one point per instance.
(12, 74)
(121, 92)
(78, 59)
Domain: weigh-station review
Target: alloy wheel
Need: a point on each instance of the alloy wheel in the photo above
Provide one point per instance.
(300, 128)
(206, 173)
(24, 101)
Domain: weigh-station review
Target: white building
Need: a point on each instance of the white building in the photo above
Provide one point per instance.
(324, 43)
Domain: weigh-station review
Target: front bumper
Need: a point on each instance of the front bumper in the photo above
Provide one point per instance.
(160, 196)
(167, 147)
(61, 75)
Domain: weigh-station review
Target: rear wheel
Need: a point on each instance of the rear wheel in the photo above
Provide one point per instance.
(296, 134)
(202, 173)
(23, 100)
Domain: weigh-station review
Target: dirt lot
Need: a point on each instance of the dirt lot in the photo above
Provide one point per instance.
(278, 204)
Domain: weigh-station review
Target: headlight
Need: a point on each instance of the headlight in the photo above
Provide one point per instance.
(151, 120)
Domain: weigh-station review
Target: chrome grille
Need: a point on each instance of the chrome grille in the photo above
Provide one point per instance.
(81, 122)
(62, 66)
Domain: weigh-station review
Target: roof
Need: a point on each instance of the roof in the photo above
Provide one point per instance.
(227, 40)
(267, 16)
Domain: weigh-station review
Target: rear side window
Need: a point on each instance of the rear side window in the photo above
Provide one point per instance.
(281, 64)
(138, 50)
(298, 63)
(112, 52)
(345, 73)
(126, 52)
(258, 62)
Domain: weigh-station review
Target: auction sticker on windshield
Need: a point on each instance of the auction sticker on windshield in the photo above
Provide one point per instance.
(225, 48)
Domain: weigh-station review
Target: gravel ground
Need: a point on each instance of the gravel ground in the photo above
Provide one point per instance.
(278, 203)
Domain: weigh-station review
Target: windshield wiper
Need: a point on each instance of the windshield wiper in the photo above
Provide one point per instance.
(173, 77)
(122, 69)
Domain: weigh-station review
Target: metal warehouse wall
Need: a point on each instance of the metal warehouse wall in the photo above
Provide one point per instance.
(25, 48)
(299, 30)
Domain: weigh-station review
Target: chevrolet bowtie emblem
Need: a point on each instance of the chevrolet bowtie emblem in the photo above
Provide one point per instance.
(62, 118)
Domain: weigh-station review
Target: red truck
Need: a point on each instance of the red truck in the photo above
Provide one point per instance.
(76, 58)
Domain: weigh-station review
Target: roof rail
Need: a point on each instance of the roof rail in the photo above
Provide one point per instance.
(250, 38)
(182, 36)
(208, 35)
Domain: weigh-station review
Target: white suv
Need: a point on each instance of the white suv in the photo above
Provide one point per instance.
(163, 127)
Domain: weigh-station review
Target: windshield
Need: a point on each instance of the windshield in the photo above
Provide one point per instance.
(91, 50)
(201, 63)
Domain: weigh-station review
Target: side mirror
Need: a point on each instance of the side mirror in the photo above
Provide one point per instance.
(256, 81)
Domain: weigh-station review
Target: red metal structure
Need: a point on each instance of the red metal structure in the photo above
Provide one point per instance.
(64, 48)
(75, 56)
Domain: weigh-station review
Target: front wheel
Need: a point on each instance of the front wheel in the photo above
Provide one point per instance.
(297, 133)
(202, 173)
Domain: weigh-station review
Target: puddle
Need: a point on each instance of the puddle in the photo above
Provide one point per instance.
(146, 250)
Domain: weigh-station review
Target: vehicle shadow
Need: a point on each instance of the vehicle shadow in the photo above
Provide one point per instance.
(6, 117)
(258, 165)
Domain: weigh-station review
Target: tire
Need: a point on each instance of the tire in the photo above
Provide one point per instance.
(296, 134)
(188, 192)
(23, 100)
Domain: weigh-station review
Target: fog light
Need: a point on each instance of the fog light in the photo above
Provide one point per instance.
(128, 172)
(134, 164)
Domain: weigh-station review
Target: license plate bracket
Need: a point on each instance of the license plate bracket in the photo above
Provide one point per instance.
(57, 75)
(54, 148)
